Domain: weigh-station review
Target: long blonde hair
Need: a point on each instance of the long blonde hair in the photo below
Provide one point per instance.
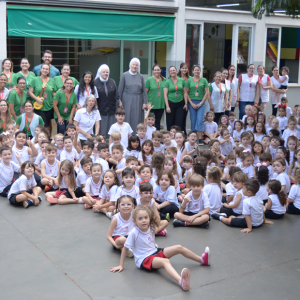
(69, 165)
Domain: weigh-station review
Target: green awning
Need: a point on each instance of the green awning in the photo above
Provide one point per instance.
(49, 22)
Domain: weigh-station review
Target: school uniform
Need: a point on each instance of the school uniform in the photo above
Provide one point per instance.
(51, 170)
(59, 151)
(173, 144)
(150, 130)
(179, 153)
(133, 153)
(277, 210)
(39, 159)
(210, 128)
(121, 165)
(72, 156)
(263, 193)
(190, 147)
(142, 140)
(248, 147)
(121, 191)
(63, 189)
(196, 205)
(282, 123)
(284, 180)
(123, 227)
(287, 133)
(273, 151)
(214, 194)
(237, 210)
(23, 154)
(294, 208)
(104, 164)
(258, 138)
(152, 181)
(105, 194)
(237, 135)
(6, 176)
(125, 130)
(248, 128)
(111, 145)
(92, 188)
(147, 160)
(247, 170)
(159, 148)
(230, 190)
(227, 147)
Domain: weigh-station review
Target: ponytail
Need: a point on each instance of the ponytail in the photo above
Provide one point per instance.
(282, 198)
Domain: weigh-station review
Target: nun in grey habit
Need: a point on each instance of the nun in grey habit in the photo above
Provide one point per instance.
(132, 92)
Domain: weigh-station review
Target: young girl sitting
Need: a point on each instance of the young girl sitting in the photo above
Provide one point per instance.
(145, 172)
(259, 132)
(188, 167)
(210, 127)
(246, 164)
(191, 146)
(238, 126)
(291, 144)
(261, 173)
(24, 191)
(257, 151)
(294, 164)
(147, 256)
(165, 195)
(194, 210)
(145, 156)
(170, 165)
(276, 142)
(294, 195)
(274, 125)
(283, 153)
(226, 142)
(179, 139)
(122, 223)
(279, 166)
(157, 163)
(262, 118)
(66, 183)
(145, 199)
(249, 123)
(219, 158)
(133, 148)
(275, 207)
(245, 141)
(224, 120)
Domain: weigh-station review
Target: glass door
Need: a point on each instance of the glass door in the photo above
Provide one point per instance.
(244, 53)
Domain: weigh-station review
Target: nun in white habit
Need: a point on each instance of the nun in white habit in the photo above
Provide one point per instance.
(108, 98)
(132, 92)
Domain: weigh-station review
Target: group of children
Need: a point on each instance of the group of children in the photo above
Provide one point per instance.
(250, 173)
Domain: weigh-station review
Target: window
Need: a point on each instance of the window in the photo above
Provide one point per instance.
(271, 49)
(192, 45)
(244, 49)
(16, 51)
(222, 4)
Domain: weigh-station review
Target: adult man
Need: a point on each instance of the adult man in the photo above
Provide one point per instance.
(47, 58)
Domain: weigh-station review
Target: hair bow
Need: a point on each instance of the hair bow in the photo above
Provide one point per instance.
(261, 113)
(174, 158)
(247, 150)
(225, 118)
(260, 164)
(5, 133)
(293, 134)
(251, 115)
(146, 180)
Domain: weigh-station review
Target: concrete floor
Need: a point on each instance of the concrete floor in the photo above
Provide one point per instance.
(61, 252)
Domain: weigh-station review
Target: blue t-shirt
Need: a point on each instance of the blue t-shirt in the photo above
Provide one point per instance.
(53, 71)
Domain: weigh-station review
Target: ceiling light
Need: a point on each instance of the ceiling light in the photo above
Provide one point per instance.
(230, 4)
(279, 11)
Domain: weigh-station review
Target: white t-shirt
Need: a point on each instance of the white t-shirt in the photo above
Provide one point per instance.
(271, 173)
(287, 133)
(210, 128)
(142, 244)
(125, 130)
(24, 156)
(110, 147)
(121, 191)
(168, 195)
(247, 170)
(72, 156)
(86, 93)
(142, 140)
(284, 180)
(51, 170)
(92, 187)
(82, 178)
(104, 164)
(262, 192)
(249, 128)
(230, 190)
(133, 153)
(239, 209)
(254, 207)
(197, 205)
(151, 181)
(21, 184)
(105, 194)
(282, 122)
(121, 165)
(273, 151)
(7, 174)
(39, 159)
(295, 195)
(173, 144)
(286, 82)
(276, 206)
(123, 227)
(150, 130)
(237, 135)
(148, 158)
(214, 194)
(256, 160)
(248, 147)
(227, 147)
(160, 148)
(138, 202)
(189, 147)
(258, 138)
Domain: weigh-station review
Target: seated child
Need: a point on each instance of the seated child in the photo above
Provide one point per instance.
(83, 176)
(115, 138)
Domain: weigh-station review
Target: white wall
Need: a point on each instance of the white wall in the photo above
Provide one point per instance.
(3, 44)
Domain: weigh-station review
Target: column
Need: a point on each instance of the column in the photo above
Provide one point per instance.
(3, 44)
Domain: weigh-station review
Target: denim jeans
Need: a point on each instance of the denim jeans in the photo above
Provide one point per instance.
(197, 116)
(242, 106)
(61, 128)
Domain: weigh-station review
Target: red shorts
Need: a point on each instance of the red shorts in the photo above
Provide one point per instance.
(95, 197)
(147, 263)
(115, 237)
(58, 193)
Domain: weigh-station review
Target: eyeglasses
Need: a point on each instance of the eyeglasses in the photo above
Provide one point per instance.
(59, 140)
(3, 105)
(126, 204)
(148, 193)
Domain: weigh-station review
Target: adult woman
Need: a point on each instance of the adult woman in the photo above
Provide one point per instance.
(86, 118)
(5, 117)
(64, 104)
(175, 100)
(275, 89)
(218, 96)
(4, 92)
(17, 98)
(155, 94)
(132, 93)
(228, 88)
(65, 72)
(28, 121)
(25, 73)
(85, 88)
(41, 90)
(108, 98)
(235, 92)
(249, 89)
(7, 69)
(197, 93)
(265, 86)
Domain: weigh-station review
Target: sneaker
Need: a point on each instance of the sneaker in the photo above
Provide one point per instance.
(177, 223)
(129, 253)
(47, 188)
(80, 201)
(52, 200)
(109, 214)
(201, 143)
(205, 225)
(276, 106)
(40, 199)
(217, 216)
(86, 206)
(206, 257)
(168, 216)
(162, 233)
(185, 279)
(97, 211)
(156, 246)
(27, 203)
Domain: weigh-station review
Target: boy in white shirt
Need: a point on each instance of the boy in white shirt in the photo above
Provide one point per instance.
(83, 176)
(69, 152)
(289, 111)
(123, 127)
(167, 139)
(149, 121)
(156, 139)
(59, 143)
(117, 155)
(141, 130)
(116, 140)
(41, 156)
(103, 152)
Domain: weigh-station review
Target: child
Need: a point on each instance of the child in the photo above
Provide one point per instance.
(147, 256)
(141, 130)
(245, 141)
(229, 188)
(145, 156)
(24, 191)
(188, 167)
(134, 147)
(213, 188)
(69, 152)
(179, 139)
(274, 125)
(66, 183)
(259, 132)
(235, 208)
(115, 138)
(149, 121)
(230, 161)
(121, 126)
(262, 118)
(173, 130)
(269, 124)
(261, 173)
(191, 147)
(38, 129)
(146, 194)
(249, 123)
(226, 142)
(291, 144)
(283, 153)
(6, 140)
(274, 132)
(266, 140)
(117, 155)
(172, 152)
(109, 185)
(232, 120)
(210, 127)
(156, 138)
(7, 170)
(103, 152)
(157, 163)
(246, 164)
(238, 151)
(255, 111)
(214, 142)
(38, 141)
(251, 137)
(275, 143)
(92, 187)
(295, 163)
(275, 207)
(83, 176)
(279, 167)
(41, 156)
(96, 141)
(282, 118)
(49, 168)
(170, 165)
(166, 136)
(132, 163)
(238, 126)
(253, 209)
(145, 176)
(11, 132)
(225, 121)
(210, 156)
(284, 80)
(257, 151)
(59, 143)
(285, 101)
(165, 195)
(194, 210)
(291, 130)
(248, 111)
(294, 195)
(216, 150)
(121, 223)
(266, 158)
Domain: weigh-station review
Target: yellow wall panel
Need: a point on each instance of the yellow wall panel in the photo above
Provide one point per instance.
(288, 53)
(161, 52)
(228, 35)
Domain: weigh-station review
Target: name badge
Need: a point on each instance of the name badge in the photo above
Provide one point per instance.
(196, 94)
(65, 110)
(45, 96)
(158, 94)
(175, 94)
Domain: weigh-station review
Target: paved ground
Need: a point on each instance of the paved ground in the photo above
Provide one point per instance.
(61, 252)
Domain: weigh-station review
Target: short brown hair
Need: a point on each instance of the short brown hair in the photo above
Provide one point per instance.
(230, 156)
(239, 177)
(85, 160)
(265, 157)
(117, 147)
(213, 141)
(172, 149)
(131, 158)
(252, 185)
(51, 147)
(120, 111)
(169, 174)
(116, 135)
(141, 126)
(196, 180)
(157, 134)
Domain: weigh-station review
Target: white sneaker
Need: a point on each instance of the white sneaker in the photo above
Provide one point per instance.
(129, 253)
(109, 215)
(276, 105)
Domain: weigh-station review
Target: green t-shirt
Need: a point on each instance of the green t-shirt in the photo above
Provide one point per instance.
(18, 101)
(155, 94)
(28, 79)
(59, 83)
(19, 119)
(192, 88)
(61, 105)
(37, 85)
(10, 81)
(169, 84)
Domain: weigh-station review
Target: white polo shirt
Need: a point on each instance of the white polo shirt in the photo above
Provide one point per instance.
(82, 98)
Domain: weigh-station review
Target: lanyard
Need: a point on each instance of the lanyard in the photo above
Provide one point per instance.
(1, 95)
(66, 99)
(20, 96)
(176, 85)
(3, 124)
(184, 79)
(158, 85)
(62, 78)
(220, 88)
(44, 82)
(28, 127)
(88, 90)
(196, 84)
(250, 78)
